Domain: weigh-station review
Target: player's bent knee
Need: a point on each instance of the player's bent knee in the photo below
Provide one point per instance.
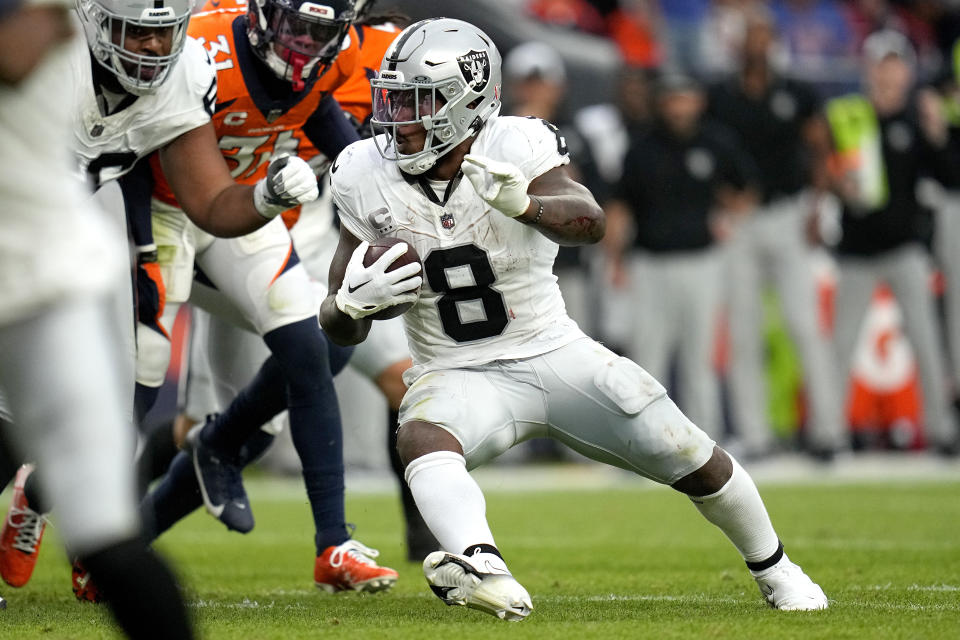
(416, 439)
(709, 478)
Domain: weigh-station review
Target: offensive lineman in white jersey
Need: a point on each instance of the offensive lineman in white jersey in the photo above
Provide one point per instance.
(147, 86)
(496, 359)
(57, 263)
(141, 85)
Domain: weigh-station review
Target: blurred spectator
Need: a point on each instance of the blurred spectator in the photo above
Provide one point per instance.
(818, 41)
(682, 33)
(607, 129)
(570, 14)
(870, 16)
(772, 115)
(947, 230)
(634, 26)
(681, 180)
(884, 140)
(721, 36)
(535, 80)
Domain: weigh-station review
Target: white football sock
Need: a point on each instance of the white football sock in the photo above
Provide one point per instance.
(449, 500)
(739, 512)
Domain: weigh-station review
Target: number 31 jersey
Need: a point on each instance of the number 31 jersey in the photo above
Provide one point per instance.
(489, 292)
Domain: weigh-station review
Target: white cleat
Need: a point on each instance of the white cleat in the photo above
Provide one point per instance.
(457, 580)
(786, 587)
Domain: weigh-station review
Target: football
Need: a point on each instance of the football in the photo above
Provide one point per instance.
(378, 248)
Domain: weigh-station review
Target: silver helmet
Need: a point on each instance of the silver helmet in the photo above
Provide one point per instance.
(107, 24)
(443, 74)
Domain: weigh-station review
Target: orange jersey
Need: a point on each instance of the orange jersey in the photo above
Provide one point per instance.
(354, 94)
(249, 134)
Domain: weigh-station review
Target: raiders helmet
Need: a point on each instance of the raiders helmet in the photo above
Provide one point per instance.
(443, 74)
(107, 24)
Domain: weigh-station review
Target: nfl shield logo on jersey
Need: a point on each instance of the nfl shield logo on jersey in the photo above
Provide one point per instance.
(447, 221)
(475, 67)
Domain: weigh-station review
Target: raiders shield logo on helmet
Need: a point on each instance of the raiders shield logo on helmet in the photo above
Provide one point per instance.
(475, 67)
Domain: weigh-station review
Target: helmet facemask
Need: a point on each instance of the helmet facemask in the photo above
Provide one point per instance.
(402, 104)
(292, 40)
(445, 79)
(108, 32)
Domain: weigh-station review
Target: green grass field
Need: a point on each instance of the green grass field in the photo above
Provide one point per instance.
(626, 563)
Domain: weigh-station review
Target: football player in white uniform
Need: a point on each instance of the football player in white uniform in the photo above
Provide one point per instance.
(496, 359)
(57, 265)
(144, 86)
(139, 86)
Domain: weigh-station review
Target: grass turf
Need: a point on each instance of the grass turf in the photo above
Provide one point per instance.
(625, 563)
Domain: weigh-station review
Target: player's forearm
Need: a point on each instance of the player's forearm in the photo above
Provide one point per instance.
(341, 328)
(229, 214)
(568, 220)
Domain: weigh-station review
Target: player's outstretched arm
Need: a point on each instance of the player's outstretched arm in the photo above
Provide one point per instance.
(559, 207)
(201, 181)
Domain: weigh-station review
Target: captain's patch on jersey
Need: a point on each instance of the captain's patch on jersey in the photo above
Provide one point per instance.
(475, 67)
(382, 221)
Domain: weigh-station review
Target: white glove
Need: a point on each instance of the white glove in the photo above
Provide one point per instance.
(290, 181)
(366, 290)
(501, 184)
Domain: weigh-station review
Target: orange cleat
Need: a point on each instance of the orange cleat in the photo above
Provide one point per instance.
(21, 535)
(83, 587)
(350, 567)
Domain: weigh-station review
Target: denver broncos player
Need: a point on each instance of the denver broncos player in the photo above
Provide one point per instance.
(219, 373)
(496, 358)
(277, 64)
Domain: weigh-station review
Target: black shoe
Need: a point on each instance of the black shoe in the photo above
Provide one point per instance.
(822, 455)
(221, 484)
(947, 450)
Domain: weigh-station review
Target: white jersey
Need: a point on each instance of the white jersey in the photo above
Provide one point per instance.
(109, 146)
(489, 292)
(54, 244)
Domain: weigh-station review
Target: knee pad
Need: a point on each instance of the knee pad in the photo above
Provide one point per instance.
(628, 385)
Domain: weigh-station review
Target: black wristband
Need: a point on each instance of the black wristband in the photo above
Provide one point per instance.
(539, 215)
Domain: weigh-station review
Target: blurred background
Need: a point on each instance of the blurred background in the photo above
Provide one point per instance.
(602, 70)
